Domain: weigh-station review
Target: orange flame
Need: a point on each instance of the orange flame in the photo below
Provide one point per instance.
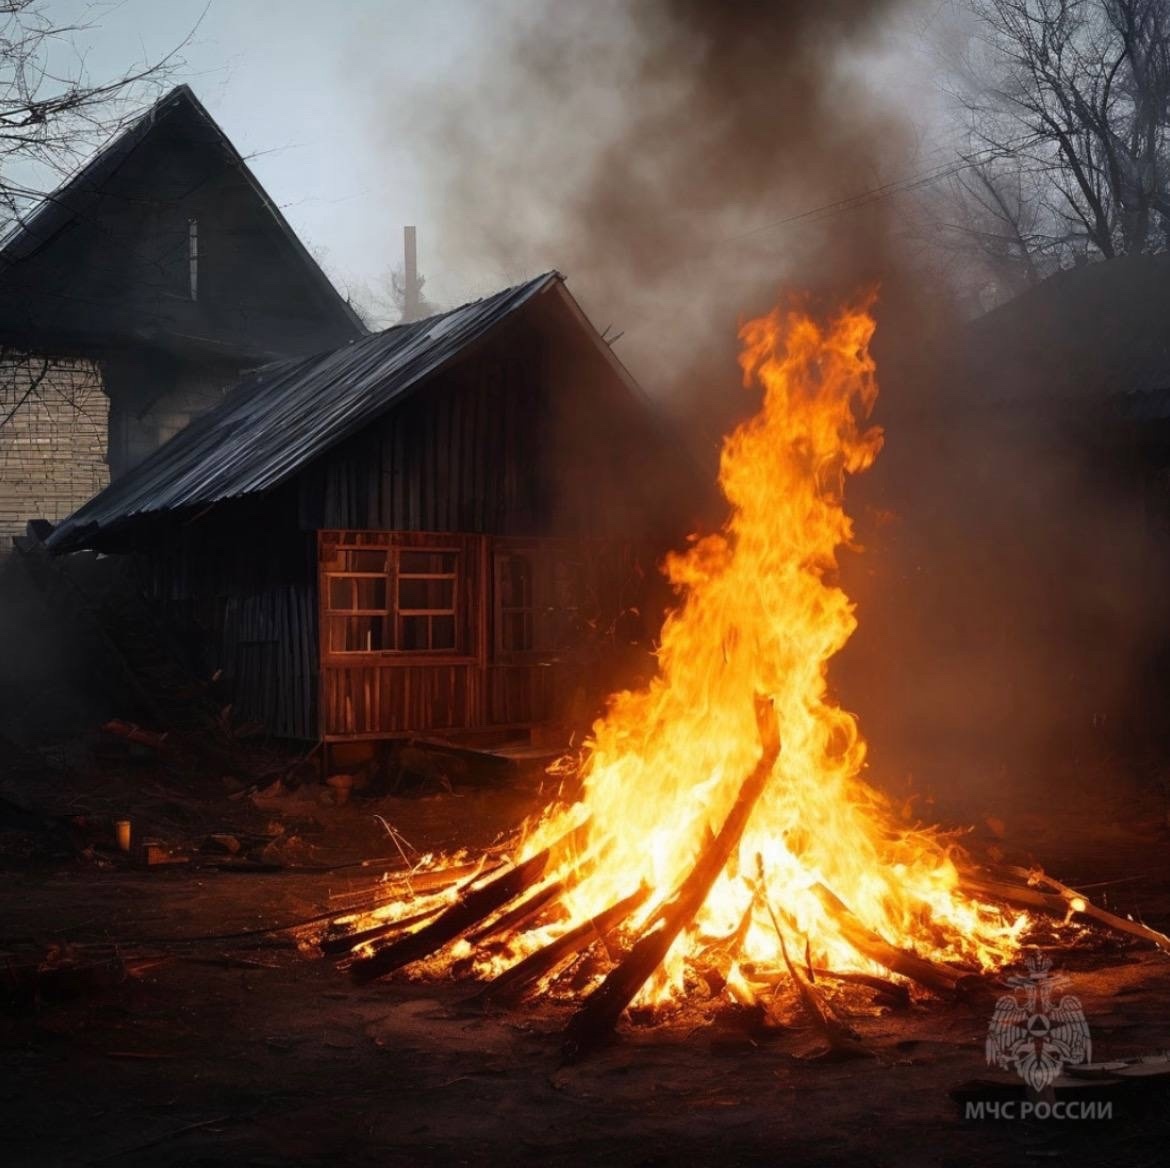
(762, 612)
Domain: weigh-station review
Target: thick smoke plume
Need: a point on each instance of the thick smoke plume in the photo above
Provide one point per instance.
(648, 150)
(686, 163)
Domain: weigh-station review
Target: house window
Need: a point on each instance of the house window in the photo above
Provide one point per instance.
(538, 601)
(426, 586)
(514, 606)
(392, 600)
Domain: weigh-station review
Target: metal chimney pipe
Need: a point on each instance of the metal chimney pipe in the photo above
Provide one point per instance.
(410, 301)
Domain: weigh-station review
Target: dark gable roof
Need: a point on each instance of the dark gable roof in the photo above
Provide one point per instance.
(1092, 334)
(275, 422)
(70, 202)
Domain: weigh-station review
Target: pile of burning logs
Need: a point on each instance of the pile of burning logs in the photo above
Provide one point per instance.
(512, 898)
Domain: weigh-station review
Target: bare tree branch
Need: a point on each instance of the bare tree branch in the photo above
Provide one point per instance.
(1090, 81)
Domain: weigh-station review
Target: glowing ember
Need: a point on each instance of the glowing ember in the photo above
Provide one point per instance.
(761, 612)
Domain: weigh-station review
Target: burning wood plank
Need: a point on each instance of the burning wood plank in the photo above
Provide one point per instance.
(597, 1017)
(475, 906)
(1061, 902)
(939, 978)
(511, 985)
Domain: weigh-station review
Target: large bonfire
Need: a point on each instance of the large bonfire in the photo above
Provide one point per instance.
(723, 819)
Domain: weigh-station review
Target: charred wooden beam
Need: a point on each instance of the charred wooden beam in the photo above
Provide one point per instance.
(594, 1021)
(1063, 902)
(941, 979)
(842, 1042)
(342, 939)
(511, 985)
(896, 991)
(345, 942)
(531, 906)
(474, 906)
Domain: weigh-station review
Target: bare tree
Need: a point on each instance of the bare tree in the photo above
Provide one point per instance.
(1067, 113)
(382, 303)
(52, 113)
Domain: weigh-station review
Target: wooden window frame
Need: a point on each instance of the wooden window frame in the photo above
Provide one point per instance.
(427, 614)
(543, 557)
(392, 614)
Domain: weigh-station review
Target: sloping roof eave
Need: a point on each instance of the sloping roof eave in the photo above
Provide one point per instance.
(248, 444)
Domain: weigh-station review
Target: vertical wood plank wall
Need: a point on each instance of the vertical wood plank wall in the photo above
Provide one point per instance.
(389, 692)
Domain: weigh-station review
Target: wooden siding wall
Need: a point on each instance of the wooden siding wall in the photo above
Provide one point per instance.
(531, 435)
(240, 587)
(387, 692)
(462, 455)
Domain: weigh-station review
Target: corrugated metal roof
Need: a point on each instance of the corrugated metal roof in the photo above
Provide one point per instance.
(278, 420)
(1084, 334)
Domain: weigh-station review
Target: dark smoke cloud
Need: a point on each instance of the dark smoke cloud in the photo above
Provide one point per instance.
(636, 146)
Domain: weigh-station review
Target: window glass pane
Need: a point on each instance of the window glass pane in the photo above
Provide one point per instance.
(426, 594)
(412, 633)
(426, 563)
(371, 592)
(517, 631)
(366, 561)
(442, 632)
(365, 634)
(516, 582)
(357, 634)
(341, 593)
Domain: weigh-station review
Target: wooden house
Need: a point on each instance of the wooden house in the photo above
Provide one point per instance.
(133, 296)
(448, 526)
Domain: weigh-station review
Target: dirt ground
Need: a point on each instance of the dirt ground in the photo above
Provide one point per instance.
(243, 1050)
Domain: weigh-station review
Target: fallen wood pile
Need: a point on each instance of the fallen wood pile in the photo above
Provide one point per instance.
(623, 945)
(619, 949)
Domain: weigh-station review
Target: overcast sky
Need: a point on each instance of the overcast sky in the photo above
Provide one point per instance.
(300, 87)
(317, 95)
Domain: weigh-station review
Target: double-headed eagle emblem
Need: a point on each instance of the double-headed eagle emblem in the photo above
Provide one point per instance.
(1035, 1036)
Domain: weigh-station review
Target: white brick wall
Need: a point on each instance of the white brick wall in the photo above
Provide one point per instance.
(53, 447)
